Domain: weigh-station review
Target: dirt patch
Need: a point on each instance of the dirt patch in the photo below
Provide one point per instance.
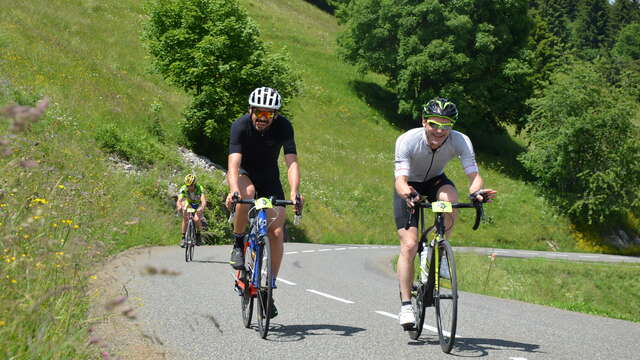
(115, 330)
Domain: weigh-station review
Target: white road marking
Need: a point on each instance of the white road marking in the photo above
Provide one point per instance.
(559, 255)
(588, 256)
(286, 281)
(330, 296)
(338, 249)
(324, 250)
(290, 252)
(424, 326)
(308, 251)
(516, 358)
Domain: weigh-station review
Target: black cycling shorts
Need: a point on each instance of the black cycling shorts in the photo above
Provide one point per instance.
(428, 189)
(265, 186)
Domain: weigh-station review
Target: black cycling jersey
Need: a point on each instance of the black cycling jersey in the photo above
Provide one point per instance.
(260, 150)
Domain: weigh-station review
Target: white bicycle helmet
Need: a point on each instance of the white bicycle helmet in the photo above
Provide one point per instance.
(265, 97)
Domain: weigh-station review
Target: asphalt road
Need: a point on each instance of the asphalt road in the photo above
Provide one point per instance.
(341, 302)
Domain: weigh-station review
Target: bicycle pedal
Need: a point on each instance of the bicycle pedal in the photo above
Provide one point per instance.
(237, 289)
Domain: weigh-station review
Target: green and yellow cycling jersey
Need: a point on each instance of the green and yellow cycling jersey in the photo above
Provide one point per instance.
(192, 198)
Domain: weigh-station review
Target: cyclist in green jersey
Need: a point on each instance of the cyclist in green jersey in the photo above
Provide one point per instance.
(191, 194)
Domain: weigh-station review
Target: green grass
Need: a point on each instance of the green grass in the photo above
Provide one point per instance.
(88, 58)
(600, 289)
(594, 288)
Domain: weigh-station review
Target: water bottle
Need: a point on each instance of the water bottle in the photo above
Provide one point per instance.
(423, 265)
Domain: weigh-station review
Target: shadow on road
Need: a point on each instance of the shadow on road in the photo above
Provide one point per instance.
(477, 347)
(287, 333)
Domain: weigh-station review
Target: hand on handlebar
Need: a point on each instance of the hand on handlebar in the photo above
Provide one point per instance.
(298, 202)
(231, 198)
(411, 197)
(483, 195)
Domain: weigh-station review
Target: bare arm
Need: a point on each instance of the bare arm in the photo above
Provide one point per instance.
(293, 174)
(233, 171)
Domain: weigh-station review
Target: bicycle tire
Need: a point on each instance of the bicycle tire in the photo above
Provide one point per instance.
(246, 300)
(190, 239)
(446, 298)
(419, 309)
(264, 300)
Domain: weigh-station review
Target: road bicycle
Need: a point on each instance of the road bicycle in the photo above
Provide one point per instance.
(437, 285)
(190, 236)
(256, 280)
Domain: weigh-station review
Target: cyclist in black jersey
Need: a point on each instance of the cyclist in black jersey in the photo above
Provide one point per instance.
(420, 158)
(254, 148)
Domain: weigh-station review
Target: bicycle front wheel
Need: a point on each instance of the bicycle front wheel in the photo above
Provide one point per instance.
(265, 296)
(446, 298)
(190, 239)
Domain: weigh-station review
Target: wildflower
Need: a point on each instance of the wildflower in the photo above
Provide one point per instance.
(93, 277)
(66, 221)
(2, 323)
(13, 281)
(36, 217)
(39, 265)
(3, 205)
(60, 253)
(39, 201)
(26, 236)
(76, 226)
(60, 186)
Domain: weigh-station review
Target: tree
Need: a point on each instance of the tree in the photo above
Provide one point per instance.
(584, 149)
(467, 50)
(592, 25)
(623, 13)
(212, 50)
(628, 42)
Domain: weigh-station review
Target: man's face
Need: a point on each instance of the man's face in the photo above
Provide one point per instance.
(437, 130)
(192, 187)
(262, 118)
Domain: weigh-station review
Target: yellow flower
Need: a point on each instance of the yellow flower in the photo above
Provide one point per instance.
(2, 323)
(39, 201)
(93, 277)
(54, 225)
(36, 217)
(76, 226)
(61, 186)
(66, 221)
(25, 236)
(3, 205)
(60, 253)
(13, 281)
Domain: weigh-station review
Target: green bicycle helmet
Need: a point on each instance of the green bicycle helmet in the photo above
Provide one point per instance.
(440, 107)
(189, 179)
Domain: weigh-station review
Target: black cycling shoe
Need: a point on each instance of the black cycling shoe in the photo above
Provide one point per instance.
(237, 258)
(273, 310)
(198, 239)
(183, 243)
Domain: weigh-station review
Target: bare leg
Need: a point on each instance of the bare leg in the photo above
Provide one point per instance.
(408, 250)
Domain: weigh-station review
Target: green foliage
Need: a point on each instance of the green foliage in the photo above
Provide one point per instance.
(546, 52)
(211, 49)
(584, 148)
(139, 149)
(558, 14)
(468, 51)
(592, 25)
(628, 42)
(623, 13)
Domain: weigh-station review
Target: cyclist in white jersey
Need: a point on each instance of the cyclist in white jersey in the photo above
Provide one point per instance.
(421, 155)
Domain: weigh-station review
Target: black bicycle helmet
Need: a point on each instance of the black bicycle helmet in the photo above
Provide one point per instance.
(440, 107)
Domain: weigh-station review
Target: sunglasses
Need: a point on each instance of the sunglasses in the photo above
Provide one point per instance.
(265, 114)
(440, 126)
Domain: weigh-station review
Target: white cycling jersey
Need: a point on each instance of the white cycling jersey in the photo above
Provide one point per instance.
(416, 159)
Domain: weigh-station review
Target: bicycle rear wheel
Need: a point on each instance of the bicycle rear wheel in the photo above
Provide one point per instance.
(246, 300)
(265, 300)
(446, 298)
